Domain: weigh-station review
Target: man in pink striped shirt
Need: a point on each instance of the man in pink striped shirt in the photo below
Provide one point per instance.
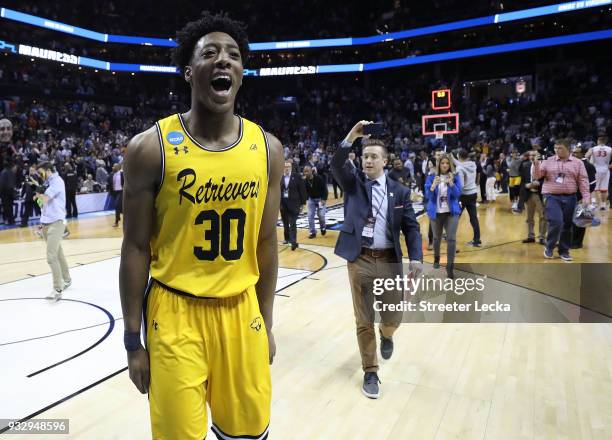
(564, 176)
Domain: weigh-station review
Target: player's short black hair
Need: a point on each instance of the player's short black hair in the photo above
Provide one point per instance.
(188, 37)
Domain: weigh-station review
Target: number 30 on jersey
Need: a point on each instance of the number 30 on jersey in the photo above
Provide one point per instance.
(219, 234)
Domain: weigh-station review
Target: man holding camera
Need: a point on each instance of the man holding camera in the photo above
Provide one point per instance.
(531, 197)
(53, 203)
(30, 186)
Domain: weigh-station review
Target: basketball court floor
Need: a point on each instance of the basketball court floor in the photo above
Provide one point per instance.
(444, 381)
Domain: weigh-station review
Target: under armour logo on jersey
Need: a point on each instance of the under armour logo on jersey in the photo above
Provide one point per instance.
(154, 325)
(185, 150)
(254, 147)
(256, 324)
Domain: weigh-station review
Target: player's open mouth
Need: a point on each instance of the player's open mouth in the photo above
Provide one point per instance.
(221, 84)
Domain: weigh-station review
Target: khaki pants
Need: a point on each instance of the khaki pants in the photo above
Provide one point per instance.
(53, 234)
(534, 204)
(361, 275)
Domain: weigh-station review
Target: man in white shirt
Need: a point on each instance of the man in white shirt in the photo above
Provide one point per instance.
(600, 156)
(53, 203)
(116, 191)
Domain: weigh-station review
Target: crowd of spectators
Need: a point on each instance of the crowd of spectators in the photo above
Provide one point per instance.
(90, 137)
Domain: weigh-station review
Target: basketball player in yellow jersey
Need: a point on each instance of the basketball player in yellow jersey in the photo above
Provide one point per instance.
(201, 201)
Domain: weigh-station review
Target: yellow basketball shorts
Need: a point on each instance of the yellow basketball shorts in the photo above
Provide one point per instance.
(207, 350)
(514, 181)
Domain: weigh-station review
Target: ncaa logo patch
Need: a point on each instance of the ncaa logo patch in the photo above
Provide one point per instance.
(175, 137)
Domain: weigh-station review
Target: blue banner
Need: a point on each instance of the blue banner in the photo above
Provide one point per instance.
(310, 70)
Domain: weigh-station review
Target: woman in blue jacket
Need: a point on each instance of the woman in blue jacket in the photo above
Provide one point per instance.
(442, 191)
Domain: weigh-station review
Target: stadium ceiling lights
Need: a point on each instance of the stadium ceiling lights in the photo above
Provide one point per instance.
(307, 44)
(330, 68)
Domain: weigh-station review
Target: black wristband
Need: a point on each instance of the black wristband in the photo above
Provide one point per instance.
(131, 341)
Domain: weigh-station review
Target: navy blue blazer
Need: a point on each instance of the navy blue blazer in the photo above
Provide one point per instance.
(357, 201)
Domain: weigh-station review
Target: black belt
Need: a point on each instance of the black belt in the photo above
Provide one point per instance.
(378, 253)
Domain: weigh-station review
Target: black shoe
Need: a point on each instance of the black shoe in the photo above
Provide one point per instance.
(436, 264)
(323, 231)
(370, 385)
(312, 236)
(450, 272)
(529, 240)
(474, 243)
(285, 241)
(294, 246)
(542, 242)
(386, 347)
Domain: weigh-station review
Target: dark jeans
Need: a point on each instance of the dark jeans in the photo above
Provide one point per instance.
(118, 206)
(336, 187)
(577, 235)
(28, 207)
(504, 181)
(483, 187)
(289, 225)
(469, 202)
(71, 205)
(559, 210)
(449, 223)
(7, 208)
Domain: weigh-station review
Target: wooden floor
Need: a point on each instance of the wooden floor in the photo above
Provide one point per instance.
(445, 381)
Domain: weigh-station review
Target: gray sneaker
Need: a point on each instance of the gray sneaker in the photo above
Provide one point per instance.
(370, 385)
(55, 296)
(67, 284)
(386, 347)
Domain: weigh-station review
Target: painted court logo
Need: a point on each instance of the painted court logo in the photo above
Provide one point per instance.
(256, 324)
(175, 137)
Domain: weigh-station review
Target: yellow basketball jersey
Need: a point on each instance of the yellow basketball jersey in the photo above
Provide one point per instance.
(208, 211)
